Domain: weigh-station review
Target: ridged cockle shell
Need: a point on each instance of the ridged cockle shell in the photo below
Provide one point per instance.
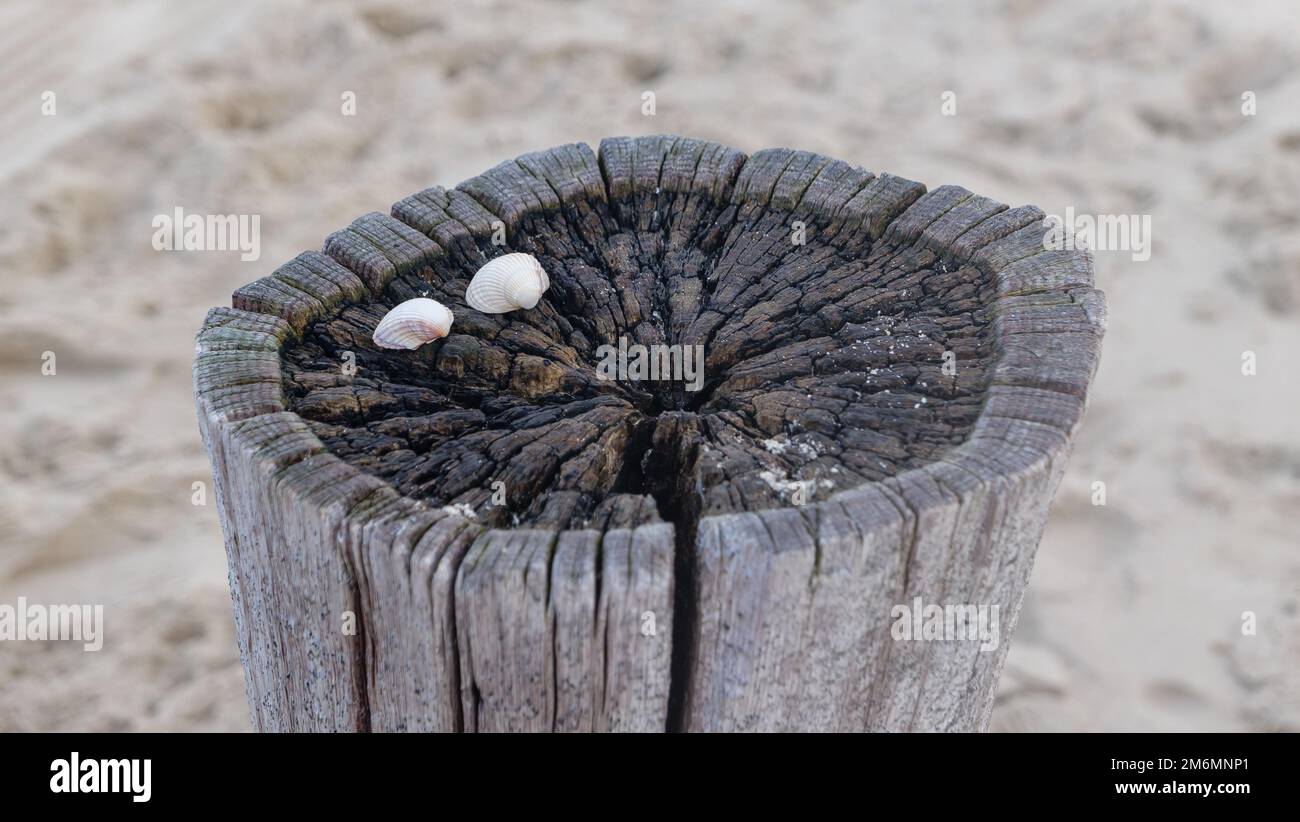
(507, 283)
(413, 323)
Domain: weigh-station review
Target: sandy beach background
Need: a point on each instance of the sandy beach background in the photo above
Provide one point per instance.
(1133, 617)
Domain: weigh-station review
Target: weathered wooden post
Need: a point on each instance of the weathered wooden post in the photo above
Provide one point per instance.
(484, 534)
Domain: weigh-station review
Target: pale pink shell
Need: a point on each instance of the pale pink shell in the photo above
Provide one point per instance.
(413, 323)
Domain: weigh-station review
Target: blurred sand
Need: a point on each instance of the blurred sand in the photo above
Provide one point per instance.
(1133, 617)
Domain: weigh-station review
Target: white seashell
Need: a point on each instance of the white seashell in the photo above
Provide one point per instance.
(413, 323)
(506, 283)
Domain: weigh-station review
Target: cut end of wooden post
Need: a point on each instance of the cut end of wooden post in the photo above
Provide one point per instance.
(767, 401)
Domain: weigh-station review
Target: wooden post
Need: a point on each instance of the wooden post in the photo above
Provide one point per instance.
(484, 534)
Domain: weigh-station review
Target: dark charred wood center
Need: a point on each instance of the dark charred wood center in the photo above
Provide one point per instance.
(823, 360)
(867, 428)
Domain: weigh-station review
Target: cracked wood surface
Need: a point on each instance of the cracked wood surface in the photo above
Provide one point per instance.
(664, 559)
